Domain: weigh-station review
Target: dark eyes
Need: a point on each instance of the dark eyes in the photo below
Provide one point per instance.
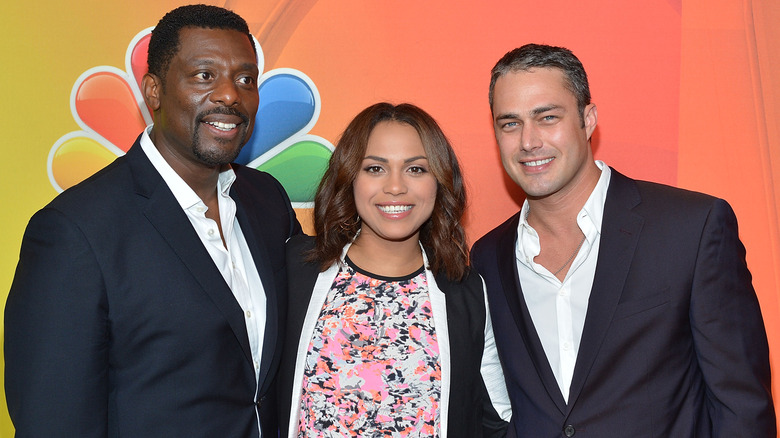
(376, 169)
(204, 75)
(246, 80)
(243, 80)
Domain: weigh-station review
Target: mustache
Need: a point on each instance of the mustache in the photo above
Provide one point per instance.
(223, 111)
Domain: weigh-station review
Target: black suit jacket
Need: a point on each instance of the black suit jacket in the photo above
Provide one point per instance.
(471, 411)
(118, 323)
(673, 343)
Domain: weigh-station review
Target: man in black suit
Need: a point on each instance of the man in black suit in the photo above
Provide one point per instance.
(620, 307)
(147, 299)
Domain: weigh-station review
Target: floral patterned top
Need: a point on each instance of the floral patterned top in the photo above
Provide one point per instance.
(372, 367)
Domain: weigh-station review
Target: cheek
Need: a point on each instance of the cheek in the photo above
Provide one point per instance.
(427, 192)
(568, 138)
(432, 189)
(251, 104)
(506, 148)
(559, 137)
(361, 191)
(186, 111)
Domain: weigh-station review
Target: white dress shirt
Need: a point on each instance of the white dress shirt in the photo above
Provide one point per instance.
(235, 261)
(558, 308)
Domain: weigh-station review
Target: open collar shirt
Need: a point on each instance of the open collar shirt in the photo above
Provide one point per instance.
(558, 308)
(233, 258)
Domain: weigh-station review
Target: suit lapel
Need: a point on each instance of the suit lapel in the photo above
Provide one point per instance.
(164, 213)
(507, 270)
(619, 236)
(510, 281)
(252, 231)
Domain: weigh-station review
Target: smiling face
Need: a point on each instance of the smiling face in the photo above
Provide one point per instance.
(204, 111)
(395, 191)
(544, 146)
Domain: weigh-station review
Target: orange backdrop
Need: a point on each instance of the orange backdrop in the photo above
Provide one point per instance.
(688, 92)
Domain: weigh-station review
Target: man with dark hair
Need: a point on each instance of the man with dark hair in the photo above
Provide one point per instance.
(620, 307)
(166, 41)
(147, 300)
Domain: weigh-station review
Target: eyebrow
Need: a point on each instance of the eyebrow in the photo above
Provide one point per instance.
(507, 116)
(534, 112)
(384, 160)
(209, 61)
(544, 109)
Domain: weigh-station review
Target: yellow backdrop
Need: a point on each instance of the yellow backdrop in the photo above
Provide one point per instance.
(688, 94)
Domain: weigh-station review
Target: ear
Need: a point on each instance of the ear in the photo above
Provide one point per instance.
(152, 87)
(590, 117)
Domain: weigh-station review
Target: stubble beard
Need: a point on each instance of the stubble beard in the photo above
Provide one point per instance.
(217, 156)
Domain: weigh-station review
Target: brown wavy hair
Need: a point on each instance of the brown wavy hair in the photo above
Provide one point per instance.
(336, 221)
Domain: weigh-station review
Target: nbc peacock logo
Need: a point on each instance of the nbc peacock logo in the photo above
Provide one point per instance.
(108, 106)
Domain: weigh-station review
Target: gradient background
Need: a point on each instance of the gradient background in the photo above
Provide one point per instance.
(688, 93)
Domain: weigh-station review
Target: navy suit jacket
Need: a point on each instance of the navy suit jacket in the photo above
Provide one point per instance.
(118, 322)
(673, 343)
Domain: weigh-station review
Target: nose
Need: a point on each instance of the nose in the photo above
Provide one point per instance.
(529, 138)
(395, 184)
(225, 92)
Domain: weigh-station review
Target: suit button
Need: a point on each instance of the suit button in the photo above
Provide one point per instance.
(259, 403)
(569, 431)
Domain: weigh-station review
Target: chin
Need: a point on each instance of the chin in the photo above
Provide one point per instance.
(217, 156)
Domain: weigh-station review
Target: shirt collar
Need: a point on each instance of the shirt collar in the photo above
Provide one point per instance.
(183, 193)
(589, 217)
(594, 207)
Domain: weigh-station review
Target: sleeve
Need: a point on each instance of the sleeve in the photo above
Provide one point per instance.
(56, 334)
(496, 407)
(729, 334)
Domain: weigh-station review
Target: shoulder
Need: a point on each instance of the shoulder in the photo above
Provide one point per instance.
(507, 230)
(248, 173)
(663, 194)
(261, 196)
(255, 184)
(471, 284)
(108, 191)
(296, 248)
(661, 199)
(466, 307)
(247, 176)
(301, 273)
(299, 244)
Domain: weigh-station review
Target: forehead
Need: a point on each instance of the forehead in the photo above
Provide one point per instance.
(394, 138)
(204, 43)
(532, 87)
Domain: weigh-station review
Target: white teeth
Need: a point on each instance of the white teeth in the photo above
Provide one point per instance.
(537, 163)
(394, 209)
(222, 126)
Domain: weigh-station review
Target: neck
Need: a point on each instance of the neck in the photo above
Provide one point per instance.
(558, 211)
(386, 258)
(204, 185)
(201, 179)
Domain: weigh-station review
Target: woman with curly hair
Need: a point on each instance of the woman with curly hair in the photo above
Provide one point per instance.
(388, 332)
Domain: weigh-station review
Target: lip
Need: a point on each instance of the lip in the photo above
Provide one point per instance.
(221, 132)
(536, 164)
(222, 118)
(395, 210)
(223, 123)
